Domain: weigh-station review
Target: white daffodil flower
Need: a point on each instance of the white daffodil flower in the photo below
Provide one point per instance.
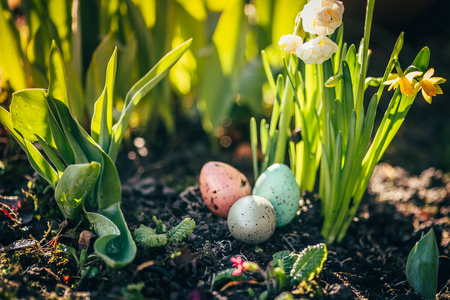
(290, 43)
(317, 50)
(322, 17)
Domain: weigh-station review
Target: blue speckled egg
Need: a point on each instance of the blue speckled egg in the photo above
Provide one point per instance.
(252, 220)
(278, 185)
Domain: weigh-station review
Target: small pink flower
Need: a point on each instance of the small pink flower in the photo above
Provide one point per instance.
(239, 264)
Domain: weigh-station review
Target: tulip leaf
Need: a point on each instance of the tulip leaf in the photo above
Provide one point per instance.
(422, 266)
(30, 116)
(95, 75)
(37, 161)
(75, 185)
(115, 244)
(101, 126)
(57, 88)
(40, 164)
(139, 90)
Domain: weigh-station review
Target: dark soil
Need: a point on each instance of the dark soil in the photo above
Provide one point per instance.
(368, 264)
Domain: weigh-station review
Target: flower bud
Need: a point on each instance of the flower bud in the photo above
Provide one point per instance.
(290, 43)
(317, 50)
(250, 266)
(322, 17)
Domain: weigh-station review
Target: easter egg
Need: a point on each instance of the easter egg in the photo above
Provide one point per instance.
(221, 185)
(278, 185)
(252, 220)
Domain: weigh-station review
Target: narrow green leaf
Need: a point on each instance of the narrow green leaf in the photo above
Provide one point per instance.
(64, 121)
(95, 75)
(41, 165)
(309, 263)
(139, 90)
(394, 56)
(254, 144)
(351, 60)
(268, 72)
(102, 119)
(422, 266)
(75, 185)
(57, 88)
(51, 155)
(61, 142)
(348, 102)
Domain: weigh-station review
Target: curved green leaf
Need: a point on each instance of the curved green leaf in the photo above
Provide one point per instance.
(115, 244)
(75, 185)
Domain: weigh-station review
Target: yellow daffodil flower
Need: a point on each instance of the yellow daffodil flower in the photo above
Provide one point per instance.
(405, 82)
(430, 85)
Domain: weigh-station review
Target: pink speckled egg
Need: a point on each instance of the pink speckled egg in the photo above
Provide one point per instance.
(221, 185)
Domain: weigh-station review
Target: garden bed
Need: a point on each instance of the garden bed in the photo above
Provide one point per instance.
(368, 264)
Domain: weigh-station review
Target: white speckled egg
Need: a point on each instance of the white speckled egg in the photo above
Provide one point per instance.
(252, 220)
(278, 185)
(221, 185)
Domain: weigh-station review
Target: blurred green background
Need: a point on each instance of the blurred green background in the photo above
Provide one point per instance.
(220, 82)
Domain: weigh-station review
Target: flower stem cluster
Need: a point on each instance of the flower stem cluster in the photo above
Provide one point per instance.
(319, 18)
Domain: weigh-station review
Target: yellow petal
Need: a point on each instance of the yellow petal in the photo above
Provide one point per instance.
(428, 74)
(437, 80)
(411, 75)
(426, 97)
(438, 90)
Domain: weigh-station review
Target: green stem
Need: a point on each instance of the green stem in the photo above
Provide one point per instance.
(365, 55)
(287, 102)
